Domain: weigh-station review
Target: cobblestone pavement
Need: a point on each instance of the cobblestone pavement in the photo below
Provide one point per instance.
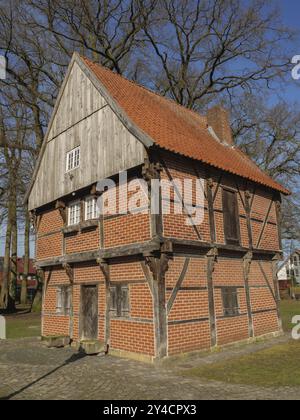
(28, 370)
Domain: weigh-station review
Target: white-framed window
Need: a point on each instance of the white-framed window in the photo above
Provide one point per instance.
(73, 159)
(91, 209)
(74, 213)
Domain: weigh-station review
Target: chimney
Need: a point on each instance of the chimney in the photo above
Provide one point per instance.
(218, 120)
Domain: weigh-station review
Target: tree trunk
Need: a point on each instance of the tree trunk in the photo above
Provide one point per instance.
(37, 301)
(6, 263)
(23, 300)
(11, 304)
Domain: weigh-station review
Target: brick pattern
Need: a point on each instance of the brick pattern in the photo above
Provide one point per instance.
(188, 323)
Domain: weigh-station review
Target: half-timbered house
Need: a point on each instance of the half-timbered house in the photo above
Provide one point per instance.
(141, 283)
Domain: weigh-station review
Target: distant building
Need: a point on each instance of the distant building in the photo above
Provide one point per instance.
(290, 269)
(32, 278)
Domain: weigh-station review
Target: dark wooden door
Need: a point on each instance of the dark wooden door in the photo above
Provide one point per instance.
(89, 312)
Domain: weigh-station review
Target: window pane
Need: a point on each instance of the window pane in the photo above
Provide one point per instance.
(91, 209)
(125, 300)
(74, 213)
(119, 300)
(73, 159)
(59, 300)
(230, 301)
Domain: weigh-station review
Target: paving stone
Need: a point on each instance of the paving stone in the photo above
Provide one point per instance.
(28, 370)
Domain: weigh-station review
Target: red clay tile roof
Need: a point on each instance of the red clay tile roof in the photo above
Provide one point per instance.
(177, 129)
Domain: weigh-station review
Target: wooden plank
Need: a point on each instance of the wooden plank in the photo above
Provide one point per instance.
(104, 267)
(211, 213)
(117, 148)
(211, 259)
(275, 261)
(148, 276)
(248, 218)
(279, 220)
(246, 269)
(130, 249)
(89, 312)
(221, 247)
(158, 267)
(68, 258)
(178, 285)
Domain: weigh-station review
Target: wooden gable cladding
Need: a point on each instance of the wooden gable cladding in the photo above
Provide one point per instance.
(82, 117)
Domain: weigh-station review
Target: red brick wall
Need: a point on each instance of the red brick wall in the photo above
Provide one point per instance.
(135, 334)
(175, 226)
(188, 324)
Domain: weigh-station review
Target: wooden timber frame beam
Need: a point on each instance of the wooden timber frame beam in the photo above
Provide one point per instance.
(211, 257)
(247, 202)
(151, 171)
(70, 273)
(210, 203)
(279, 219)
(62, 208)
(45, 281)
(275, 261)
(105, 269)
(274, 292)
(180, 197)
(155, 266)
(149, 246)
(266, 219)
(178, 285)
(246, 269)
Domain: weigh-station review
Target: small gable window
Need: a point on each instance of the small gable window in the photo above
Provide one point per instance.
(73, 159)
(74, 213)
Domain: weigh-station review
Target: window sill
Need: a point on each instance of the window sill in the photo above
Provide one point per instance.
(87, 224)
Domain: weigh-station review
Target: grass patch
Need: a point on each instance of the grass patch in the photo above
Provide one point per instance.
(288, 309)
(273, 367)
(23, 325)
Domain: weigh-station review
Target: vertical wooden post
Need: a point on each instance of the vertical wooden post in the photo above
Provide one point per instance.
(248, 217)
(276, 288)
(279, 221)
(70, 273)
(246, 268)
(210, 202)
(41, 274)
(211, 259)
(151, 171)
(104, 267)
(158, 266)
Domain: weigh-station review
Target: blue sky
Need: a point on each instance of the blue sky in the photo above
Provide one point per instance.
(291, 17)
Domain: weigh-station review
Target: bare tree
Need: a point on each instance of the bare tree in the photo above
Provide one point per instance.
(270, 134)
(204, 49)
